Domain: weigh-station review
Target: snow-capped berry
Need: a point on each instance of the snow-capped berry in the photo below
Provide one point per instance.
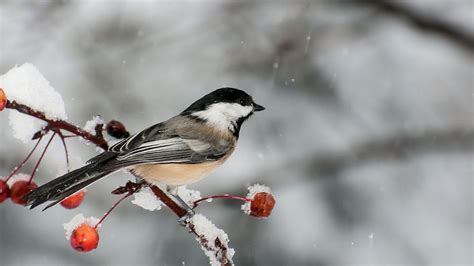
(84, 238)
(3, 99)
(20, 189)
(4, 191)
(261, 201)
(262, 205)
(117, 130)
(74, 200)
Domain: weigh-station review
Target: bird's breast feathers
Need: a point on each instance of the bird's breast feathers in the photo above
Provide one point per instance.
(175, 174)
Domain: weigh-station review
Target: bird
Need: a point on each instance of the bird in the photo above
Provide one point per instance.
(176, 152)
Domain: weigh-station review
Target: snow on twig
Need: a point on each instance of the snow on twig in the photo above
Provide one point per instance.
(213, 241)
(58, 124)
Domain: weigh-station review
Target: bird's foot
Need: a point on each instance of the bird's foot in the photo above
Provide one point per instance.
(189, 211)
(183, 220)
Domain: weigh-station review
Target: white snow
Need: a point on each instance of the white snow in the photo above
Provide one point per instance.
(90, 127)
(204, 227)
(254, 189)
(147, 200)
(17, 177)
(26, 85)
(188, 195)
(23, 126)
(91, 124)
(76, 221)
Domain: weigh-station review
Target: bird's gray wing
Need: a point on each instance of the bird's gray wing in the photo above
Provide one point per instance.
(128, 144)
(167, 142)
(134, 141)
(170, 150)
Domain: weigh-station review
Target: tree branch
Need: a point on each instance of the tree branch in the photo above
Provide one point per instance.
(392, 147)
(423, 22)
(58, 124)
(176, 208)
(219, 248)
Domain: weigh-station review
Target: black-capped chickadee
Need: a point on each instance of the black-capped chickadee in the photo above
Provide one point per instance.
(178, 151)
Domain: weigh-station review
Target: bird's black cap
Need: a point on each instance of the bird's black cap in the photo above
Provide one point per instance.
(223, 95)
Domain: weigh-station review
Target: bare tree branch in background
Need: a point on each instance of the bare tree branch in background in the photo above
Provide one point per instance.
(391, 147)
(423, 21)
(394, 147)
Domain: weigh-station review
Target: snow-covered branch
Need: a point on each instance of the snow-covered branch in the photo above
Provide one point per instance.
(213, 241)
(55, 125)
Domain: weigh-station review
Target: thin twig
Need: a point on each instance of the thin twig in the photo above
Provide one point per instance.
(69, 136)
(196, 203)
(15, 170)
(112, 208)
(41, 158)
(61, 136)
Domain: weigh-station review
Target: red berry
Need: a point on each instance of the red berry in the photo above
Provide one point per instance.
(84, 238)
(262, 205)
(117, 130)
(4, 191)
(74, 200)
(19, 189)
(3, 99)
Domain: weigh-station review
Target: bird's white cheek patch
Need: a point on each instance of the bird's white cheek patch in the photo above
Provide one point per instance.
(224, 114)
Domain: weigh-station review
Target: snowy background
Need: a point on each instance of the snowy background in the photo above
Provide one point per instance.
(367, 140)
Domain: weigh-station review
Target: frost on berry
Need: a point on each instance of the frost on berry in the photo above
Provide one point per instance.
(262, 201)
(20, 189)
(76, 221)
(3, 99)
(74, 200)
(4, 191)
(16, 178)
(82, 233)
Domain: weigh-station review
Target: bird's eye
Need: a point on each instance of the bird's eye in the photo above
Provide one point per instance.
(242, 101)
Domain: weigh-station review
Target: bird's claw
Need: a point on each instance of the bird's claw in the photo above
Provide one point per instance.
(183, 220)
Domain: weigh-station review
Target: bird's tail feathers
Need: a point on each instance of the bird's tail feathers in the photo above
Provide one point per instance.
(60, 188)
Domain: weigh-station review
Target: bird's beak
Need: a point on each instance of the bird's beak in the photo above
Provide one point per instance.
(258, 107)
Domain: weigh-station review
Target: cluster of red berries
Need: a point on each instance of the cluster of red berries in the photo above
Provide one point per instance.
(84, 238)
(16, 191)
(21, 187)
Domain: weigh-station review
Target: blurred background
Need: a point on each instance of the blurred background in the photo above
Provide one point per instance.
(367, 140)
